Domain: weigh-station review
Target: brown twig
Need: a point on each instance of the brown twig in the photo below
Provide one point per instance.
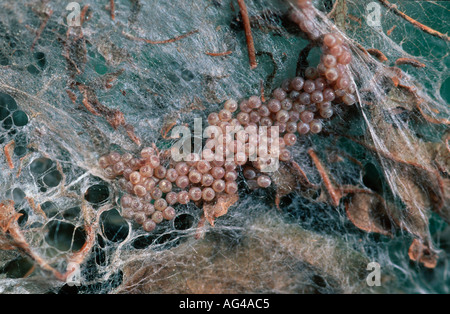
(157, 42)
(8, 148)
(114, 117)
(377, 54)
(41, 28)
(91, 226)
(219, 54)
(36, 208)
(9, 227)
(340, 154)
(417, 165)
(360, 47)
(112, 7)
(429, 118)
(248, 34)
(410, 88)
(83, 13)
(166, 129)
(395, 80)
(355, 19)
(72, 96)
(389, 32)
(21, 163)
(424, 28)
(261, 87)
(333, 9)
(301, 175)
(418, 101)
(410, 61)
(335, 194)
(29, 272)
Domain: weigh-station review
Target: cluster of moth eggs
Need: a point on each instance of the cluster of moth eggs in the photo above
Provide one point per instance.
(153, 185)
(152, 188)
(336, 54)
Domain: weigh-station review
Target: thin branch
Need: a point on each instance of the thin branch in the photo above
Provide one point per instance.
(166, 129)
(219, 54)
(301, 175)
(114, 117)
(10, 229)
(83, 14)
(248, 34)
(355, 19)
(41, 28)
(389, 32)
(334, 193)
(377, 54)
(112, 7)
(8, 152)
(261, 87)
(91, 226)
(36, 208)
(333, 10)
(410, 61)
(340, 13)
(430, 119)
(157, 42)
(433, 172)
(424, 28)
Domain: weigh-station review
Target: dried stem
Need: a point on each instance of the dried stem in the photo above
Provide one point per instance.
(424, 28)
(261, 87)
(248, 34)
(112, 8)
(8, 148)
(377, 54)
(410, 61)
(335, 194)
(219, 54)
(389, 32)
(427, 117)
(91, 226)
(166, 129)
(41, 28)
(301, 175)
(333, 10)
(114, 117)
(83, 13)
(157, 42)
(36, 208)
(431, 172)
(9, 228)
